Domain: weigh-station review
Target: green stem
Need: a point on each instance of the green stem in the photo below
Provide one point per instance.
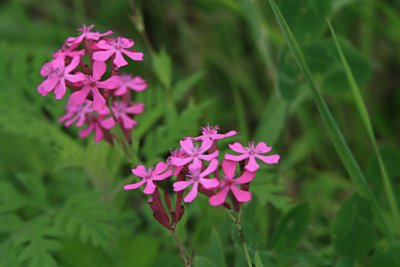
(182, 253)
(236, 220)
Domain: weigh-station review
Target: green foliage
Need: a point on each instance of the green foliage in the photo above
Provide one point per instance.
(291, 228)
(352, 233)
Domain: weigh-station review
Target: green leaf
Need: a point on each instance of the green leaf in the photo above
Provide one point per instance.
(84, 215)
(257, 260)
(352, 233)
(216, 249)
(333, 130)
(37, 239)
(10, 198)
(387, 257)
(306, 17)
(184, 85)
(162, 65)
(291, 228)
(325, 64)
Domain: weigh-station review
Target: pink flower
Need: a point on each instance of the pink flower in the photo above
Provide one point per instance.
(197, 177)
(194, 153)
(118, 47)
(86, 33)
(67, 52)
(92, 84)
(177, 153)
(97, 124)
(251, 153)
(230, 184)
(211, 132)
(122, 111)
(77, 113)
(57, 73)
(149, 176)
(129, 82)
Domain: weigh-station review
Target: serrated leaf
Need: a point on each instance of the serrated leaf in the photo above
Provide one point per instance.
(85, 216)
(291, 228)
(352, 233)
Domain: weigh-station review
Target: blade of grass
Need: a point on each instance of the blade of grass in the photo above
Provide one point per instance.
(368, 127)
(333, 130)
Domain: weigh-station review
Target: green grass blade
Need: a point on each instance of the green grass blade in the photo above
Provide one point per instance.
(333, 130)
(368, 127)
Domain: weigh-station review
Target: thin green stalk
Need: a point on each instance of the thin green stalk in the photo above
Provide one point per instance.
(182, 253)
(236, 220)
(333, 130)
(390, 196)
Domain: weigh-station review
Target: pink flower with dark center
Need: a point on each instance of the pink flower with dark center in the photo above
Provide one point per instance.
(122, 111)
(211, 132)
(57, 73)
(197, 177)
(194, 153)
(229, 183)
(129, 82)
(92, 84)
(117, 47)
(251, 153)
(97, 124)
(86, 33)
(77, 113)
(161, 172)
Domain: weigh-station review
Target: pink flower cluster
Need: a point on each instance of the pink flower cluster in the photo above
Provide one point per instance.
(197, 169)
(89, 66)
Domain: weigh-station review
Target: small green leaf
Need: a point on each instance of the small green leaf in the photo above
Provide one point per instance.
(162, 65)
(184, 85)
(352, 233)
(291, 228)
(216, 249)
(257, 260)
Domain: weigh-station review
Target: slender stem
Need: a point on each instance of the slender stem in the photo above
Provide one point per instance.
(181, 249)
(236, 220)
(124, 143)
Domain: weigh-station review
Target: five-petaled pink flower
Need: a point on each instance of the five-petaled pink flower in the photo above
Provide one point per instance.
(116, 46)
(161, 172)
(122, 110)
(92, 83)
(211, 132)
(129, 82)
(57, 73)
(196, 177)
(86, 33)
(76, 113)
(251, 153)
(230, 184)
(194, 153)
(97, 124)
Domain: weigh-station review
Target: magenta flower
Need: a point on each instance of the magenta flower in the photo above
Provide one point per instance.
(211, 132)
(76, 113)
(251, 153)
(229, 184)
(129, 82)
(67, 52)
(57, 73)
(86, 33)
(177, 153)
(97, 124)
(194, 153)
(92, 84)
(117, 47)
(161, 172)
(197, 177)
(122, 111)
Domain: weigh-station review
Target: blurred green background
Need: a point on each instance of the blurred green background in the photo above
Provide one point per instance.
(222, 62)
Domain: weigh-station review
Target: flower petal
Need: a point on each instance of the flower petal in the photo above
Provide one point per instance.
(192, 194)
(140, 171)
(206, 144)
(180, 161)
(119, 60)
(229, 168)
(150, 187)
(210, 156)
(110, 83)
(237, 147)
(60, 90)
(102, 55)
(134, 186)
(99, 68)
(211, 168)
(181, 185)
(187, 145)
(108, 123)
(135, 109)
(236, 157)
(209, 183)
(99, 102)
(219, 198)
(241, 195)
(137, 56)
(252, 165)
(262, 148)
(246, 177)
(272, 159)
(74, 63)
(78, 97)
